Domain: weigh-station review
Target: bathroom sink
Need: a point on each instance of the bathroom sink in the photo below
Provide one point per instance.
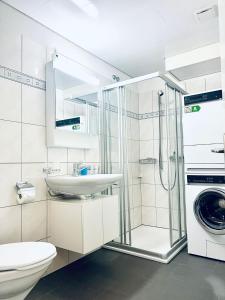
(81, 185)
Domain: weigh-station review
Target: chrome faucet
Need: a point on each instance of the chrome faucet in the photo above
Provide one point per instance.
(76, 169)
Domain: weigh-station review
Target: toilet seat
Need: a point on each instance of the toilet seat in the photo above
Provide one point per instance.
(25, 255)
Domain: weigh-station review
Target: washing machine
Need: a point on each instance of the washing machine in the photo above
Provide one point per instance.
(205, 213)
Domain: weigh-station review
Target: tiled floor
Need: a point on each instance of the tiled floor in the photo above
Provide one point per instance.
(108, 275)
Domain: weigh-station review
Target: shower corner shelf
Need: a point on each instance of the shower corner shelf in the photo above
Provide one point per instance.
(148, 160)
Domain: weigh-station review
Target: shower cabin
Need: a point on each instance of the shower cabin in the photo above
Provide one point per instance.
(141, 137)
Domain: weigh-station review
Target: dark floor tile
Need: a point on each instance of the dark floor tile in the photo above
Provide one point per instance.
(111, 275)
(190, 260)
(47, 284)
(112, 295)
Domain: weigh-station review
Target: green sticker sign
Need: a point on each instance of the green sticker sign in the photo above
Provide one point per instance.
(195, 108)
(191, 109)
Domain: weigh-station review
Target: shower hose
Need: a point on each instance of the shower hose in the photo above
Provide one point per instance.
(160, 94)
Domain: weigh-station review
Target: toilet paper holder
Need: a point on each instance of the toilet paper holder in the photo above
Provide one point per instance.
(23, 186)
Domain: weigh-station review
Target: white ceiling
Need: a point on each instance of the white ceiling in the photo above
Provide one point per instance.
(132, 35)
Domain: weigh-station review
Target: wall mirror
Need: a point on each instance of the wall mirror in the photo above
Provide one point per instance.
(71, 104)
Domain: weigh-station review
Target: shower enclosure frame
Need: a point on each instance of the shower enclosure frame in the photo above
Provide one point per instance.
(125, 241)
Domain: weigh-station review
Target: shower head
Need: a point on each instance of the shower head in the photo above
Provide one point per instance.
(160, 93)
(116, 78)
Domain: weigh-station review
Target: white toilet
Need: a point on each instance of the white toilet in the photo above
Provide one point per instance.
(21, 266)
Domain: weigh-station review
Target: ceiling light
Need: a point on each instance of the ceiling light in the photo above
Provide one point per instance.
(87, 7)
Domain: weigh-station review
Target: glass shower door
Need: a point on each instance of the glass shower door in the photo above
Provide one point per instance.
(175, 162)
(114, 152)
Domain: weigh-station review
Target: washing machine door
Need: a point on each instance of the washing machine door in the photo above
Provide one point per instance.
(209, 209)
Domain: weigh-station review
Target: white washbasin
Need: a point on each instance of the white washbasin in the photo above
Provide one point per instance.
(81, 185)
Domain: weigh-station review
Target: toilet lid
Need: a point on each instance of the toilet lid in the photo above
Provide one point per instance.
(19, 255)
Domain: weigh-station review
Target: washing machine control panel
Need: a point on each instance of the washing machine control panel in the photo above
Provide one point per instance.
(203, 97)
(205, 179)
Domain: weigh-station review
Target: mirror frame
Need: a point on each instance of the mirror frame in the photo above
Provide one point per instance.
(62, 138)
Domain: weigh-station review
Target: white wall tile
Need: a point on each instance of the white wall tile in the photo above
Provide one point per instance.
(133, 151)
(151, 84)
(9, 175)
(114, 124)
(135, 173)
(10, 50)
(114, 149)
(145, 102)
(149, 215)
(132, 96)
(136, 195)
(92, 155)
(163, 217)
(33, 173)
(137, 215)
(10, 150)
(10, 224)
(33, 58)
(76, 155)
(148, 194)
(146, 149)
(57, 154)
(10, 97)
(146, 129)
(130, 180)
(155, 104)
(134, 129)
(148, 173)
(34, 221)
(33, 105)
(161, 196)
(33, 143)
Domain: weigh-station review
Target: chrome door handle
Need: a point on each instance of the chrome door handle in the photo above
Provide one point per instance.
(217, 150)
